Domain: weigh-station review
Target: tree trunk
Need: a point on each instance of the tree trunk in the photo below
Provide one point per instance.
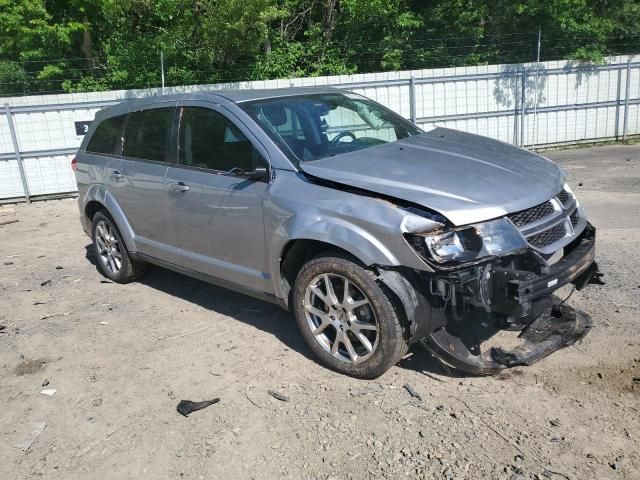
(87, 47)
(329, 17)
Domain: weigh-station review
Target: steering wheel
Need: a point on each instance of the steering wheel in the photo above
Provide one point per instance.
(340, 136)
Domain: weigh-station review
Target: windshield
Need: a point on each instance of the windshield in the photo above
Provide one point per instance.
(310, 127)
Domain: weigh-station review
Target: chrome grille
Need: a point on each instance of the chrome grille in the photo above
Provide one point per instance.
(550, 225)
(564, 198)
(548, 237)
(530, 215)
(575, 217)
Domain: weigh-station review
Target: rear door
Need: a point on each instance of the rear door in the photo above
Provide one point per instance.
(136, 179)
(217, 211)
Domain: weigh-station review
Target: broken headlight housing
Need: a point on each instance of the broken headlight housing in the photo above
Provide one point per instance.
(469, 243)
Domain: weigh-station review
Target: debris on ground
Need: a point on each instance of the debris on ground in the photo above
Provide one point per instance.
(60, 314)
(49, 391)
(185, 407)
(46, 382)
(33, 435)
(45, 283)
(617, 463)
(278, 396)
(412, 391)
(7, 222)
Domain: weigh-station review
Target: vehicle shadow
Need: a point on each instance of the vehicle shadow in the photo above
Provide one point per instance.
(261, 315)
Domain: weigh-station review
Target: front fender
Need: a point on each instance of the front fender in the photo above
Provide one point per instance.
(100, 194)
(334, 231)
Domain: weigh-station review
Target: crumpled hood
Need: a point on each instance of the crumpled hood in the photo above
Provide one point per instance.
(467, 178)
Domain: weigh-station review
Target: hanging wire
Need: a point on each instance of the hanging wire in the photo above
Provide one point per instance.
(70, 74)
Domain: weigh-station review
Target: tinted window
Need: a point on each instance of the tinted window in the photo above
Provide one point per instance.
(106, 135)
(209, 140)
(147, 135)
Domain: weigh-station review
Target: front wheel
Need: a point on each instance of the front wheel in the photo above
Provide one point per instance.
(349, 321)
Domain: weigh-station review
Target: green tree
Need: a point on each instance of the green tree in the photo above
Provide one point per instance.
(80, 45)
(35, 46)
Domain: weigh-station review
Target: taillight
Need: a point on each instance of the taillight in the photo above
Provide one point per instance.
(74, 165)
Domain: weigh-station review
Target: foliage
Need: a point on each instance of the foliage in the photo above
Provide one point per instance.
(89, 45)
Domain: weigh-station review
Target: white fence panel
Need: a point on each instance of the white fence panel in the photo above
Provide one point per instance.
(564, 103)
(10, 182)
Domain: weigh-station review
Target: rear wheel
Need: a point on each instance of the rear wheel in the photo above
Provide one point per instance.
(350, 321)
(114, 260)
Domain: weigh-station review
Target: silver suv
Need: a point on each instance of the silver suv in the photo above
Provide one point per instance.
(375, 233)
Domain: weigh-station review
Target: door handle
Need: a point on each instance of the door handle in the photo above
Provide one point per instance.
(116, 176)
(179, 187)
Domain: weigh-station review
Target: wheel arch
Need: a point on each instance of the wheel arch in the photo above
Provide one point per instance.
(295, 253)
(98, 198)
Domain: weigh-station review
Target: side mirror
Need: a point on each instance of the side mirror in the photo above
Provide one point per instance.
(259, 173)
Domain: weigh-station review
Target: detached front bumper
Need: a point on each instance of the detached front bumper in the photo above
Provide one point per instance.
(452, 314)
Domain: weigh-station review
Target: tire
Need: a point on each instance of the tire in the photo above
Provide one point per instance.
(112, 257)
(322, 325)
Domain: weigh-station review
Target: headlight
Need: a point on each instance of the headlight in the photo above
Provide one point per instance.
(470, 243)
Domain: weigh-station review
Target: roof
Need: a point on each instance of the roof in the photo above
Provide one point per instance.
(235, 96)
(246, 95)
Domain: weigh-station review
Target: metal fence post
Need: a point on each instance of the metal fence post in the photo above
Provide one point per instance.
(626, 101)
(523, 96)
(412, 99)
(616, 132)
(16, 147)
(535, 102)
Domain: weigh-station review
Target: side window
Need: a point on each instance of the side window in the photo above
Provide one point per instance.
(148, 135)
(106, 135)
(209, 140)
(287, 123)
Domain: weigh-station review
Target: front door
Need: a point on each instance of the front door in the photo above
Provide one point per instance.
(136, 180)
(217, 210)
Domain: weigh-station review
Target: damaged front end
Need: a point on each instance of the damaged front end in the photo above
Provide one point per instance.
(511, 294)
(457, 312)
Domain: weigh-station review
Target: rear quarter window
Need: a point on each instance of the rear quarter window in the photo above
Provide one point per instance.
(147, 135)
(106, 135)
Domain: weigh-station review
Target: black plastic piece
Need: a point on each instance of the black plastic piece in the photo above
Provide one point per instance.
(545, 335)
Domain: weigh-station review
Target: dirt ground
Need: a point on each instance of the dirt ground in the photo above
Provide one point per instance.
(122, 357)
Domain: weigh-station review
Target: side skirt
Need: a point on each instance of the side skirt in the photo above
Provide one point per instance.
(218, 282)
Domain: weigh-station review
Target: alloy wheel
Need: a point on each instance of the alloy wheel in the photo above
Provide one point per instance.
(341, 318)
(108, 247)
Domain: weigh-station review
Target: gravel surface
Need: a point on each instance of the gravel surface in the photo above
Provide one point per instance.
(121, 358)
